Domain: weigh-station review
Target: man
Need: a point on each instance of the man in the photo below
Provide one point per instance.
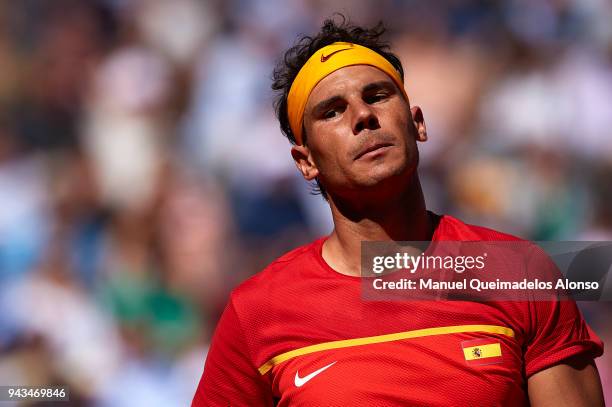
(299, 332)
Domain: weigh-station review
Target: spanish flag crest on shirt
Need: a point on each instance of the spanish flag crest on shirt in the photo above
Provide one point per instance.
(485, 351)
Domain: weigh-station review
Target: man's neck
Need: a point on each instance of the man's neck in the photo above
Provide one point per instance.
(403, 218)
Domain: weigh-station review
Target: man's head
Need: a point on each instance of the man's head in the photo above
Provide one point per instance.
(346, 111)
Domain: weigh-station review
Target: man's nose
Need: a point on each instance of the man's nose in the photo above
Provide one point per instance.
(364, 117)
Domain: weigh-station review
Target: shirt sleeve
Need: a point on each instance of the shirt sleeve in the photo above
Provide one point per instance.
(230, 378)
(558, 330)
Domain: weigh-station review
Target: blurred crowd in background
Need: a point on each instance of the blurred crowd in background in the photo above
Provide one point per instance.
(143, 173)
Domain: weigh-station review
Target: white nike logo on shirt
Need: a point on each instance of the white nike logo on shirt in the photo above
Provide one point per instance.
(300, 381)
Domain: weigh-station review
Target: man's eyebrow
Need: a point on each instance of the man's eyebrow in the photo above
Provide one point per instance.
(384, 84)
(329, 102)
(325, 104)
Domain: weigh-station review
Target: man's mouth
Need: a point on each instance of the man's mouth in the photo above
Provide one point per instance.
(372, 150)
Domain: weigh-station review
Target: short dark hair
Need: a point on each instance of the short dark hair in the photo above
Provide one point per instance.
(295, 57)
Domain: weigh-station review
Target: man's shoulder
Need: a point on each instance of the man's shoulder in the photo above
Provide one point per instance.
(455, 229)
(504, 245)
(281, 271)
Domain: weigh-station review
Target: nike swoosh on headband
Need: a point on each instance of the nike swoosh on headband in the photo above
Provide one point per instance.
(326, 57)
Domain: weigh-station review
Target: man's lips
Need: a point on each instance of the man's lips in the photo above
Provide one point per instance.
(370, 148)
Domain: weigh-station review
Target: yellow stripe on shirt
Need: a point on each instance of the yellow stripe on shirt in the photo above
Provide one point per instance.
(443, 330)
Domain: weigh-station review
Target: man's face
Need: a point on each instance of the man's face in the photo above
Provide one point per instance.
(360, 131)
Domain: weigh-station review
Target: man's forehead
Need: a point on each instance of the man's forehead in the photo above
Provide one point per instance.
(349, 78)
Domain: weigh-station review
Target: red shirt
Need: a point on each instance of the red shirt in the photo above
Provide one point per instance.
(299, 333)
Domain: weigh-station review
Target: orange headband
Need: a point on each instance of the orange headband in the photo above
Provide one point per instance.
(323, 62)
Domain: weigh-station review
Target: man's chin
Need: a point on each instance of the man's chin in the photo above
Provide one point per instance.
(387, 183)
(387, 174)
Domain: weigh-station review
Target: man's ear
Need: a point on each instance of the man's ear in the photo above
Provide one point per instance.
(419, 123)
(304, 162)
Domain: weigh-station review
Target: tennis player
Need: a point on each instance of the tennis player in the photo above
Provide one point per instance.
(300, 334)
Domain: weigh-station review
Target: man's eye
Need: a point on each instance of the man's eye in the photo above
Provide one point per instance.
(329, 114)
(376, 98)
(334, 111)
